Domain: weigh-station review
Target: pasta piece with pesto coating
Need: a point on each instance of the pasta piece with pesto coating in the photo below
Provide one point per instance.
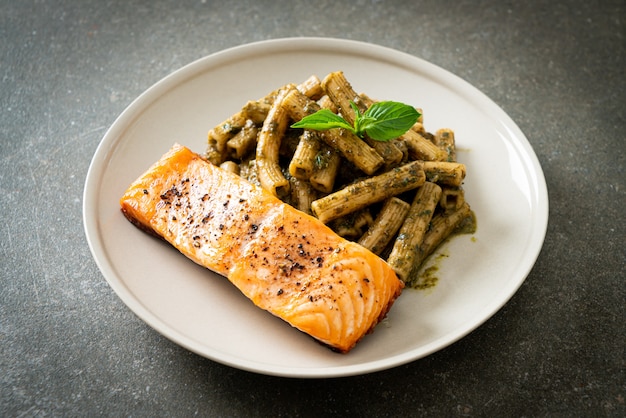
(313, 158)
(288, 146)
(219, 136)
(256, 111)
(401, 145)
(326, 103)
(405, 251)
(443, 172)
(354, 149)
(444, 139)
(302, 195)
(452, 198)
(352, 225)
(231, 166)
(441, 227)
(386, 225)
(243, 142)
(213, 153)
(389, 150)
(342, 94)
(374, 189)
(312, 88)
(419, 128)
(349, 145)
(298, 105)
(302, 163)
(267, 152)
(327, 161)
(421, 148)
(327, 164)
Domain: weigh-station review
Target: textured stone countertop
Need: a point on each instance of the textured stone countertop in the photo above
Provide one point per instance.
(70, 347)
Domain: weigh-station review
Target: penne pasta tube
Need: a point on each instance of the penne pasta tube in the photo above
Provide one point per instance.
(267, 152)
(342, 94)
(326, 103)
(441, 227)
(444, 139)
(401, 145)
(303, 162)
(256, 111)
(352, 226)
(221, 133)
(387, 223)
(219, 136)
(302, 194)
(374, 189)
(339, 90)
(387, 149)
(225, 130)
(354, 149)
(312, 88)
(298, 105)
(363, 220)
(442, 172)
(452, 198)
(327, 164)
(288, 144)
(419, 128)
(422, 149)
(214, 150)
(349, 145)
(231, 166)
(405, 249)
(243, 142)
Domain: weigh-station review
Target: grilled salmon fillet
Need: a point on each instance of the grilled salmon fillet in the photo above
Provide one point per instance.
(283, 260)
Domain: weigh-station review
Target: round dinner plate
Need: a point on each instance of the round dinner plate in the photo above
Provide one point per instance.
(204, 313)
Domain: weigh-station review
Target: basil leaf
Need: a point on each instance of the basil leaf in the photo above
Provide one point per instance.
(322, 120)
(382, 121)
(387, 120)
(355, 108)
(361, 123)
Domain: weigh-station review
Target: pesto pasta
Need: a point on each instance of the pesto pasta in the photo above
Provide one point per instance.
(400, 196)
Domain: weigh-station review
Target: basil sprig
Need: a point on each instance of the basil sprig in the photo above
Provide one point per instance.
(382, 121)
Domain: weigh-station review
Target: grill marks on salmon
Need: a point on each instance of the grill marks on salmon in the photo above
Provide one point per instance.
(283, 260)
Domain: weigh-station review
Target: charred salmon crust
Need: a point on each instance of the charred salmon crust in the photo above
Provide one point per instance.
(283, 260)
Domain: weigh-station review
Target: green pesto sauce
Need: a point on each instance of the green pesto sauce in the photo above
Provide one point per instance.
(428, 277)
(467, 226)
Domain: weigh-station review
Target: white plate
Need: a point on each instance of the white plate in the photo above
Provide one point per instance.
(206, 314)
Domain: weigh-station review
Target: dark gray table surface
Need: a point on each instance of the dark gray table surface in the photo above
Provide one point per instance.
(70, 347)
